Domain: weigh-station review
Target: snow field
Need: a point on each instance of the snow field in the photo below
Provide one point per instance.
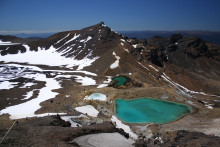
(126, 128)
(116, 63)
(88, 109)
(27, 109)
(47, 57)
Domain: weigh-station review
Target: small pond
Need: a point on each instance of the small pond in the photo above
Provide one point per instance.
(121, 80)
(96, 96)
(149, 110)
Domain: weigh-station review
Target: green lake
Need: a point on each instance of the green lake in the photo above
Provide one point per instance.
(149, 110)
(121, 80)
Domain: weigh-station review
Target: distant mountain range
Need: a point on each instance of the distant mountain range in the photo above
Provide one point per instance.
(34, 35)
(208, 36)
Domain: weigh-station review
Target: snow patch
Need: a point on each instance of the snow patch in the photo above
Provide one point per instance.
(8, 85)
(143, 66)
(209, 106)
(126, 128)
(88, 109)
(28, 95)
(105, 83)
(96, 96)
(190, 103)
(116, 63)
(159, 139)
(27, 85)
(63, 38)
(69, 119)
(33, 73)
(28, 108)
(182, 88)
(85, 81)
(154, 68)
(135, 46)
(7, 43)
(103, 25)
(86, 40)
(74, 38)
(122, 40)
(47, 57)
(127, 50)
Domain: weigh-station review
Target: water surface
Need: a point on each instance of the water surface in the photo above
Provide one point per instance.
(149, 110)
(121, 80)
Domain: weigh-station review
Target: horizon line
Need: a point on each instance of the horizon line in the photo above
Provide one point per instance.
(57, 31)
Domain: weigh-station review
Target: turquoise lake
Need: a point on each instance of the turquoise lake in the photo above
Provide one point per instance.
(121, 80)
(149, 110)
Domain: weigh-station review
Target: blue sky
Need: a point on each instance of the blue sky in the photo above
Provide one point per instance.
(60, 15)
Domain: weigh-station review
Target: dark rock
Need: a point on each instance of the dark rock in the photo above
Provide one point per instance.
(140, 143)
(174, 39)
(59, 122)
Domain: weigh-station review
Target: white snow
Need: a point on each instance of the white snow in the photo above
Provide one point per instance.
(7, 85)
(166, 55)
(27, 85)
(39, 69)
(88, 109)
(190, 103)
(135, 46)
(71, 71)
(126, 128)
(105, 83)
(154, 68)
(127, 50)
(47, 57)
(122, 40)
(103, 25)
(74, 38)
(85, 81)
(122, 44)
(96, 96)
(69, 119)
(28, 95)
(26, 47)
(143, 66)
(102, 85)
(182, 88)
(27, 109)
(104, 140)
(86, 40)
(209, 106)
(116, 63)
(33, 73)
(63, 38)
(159, 139)
(7, 43)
